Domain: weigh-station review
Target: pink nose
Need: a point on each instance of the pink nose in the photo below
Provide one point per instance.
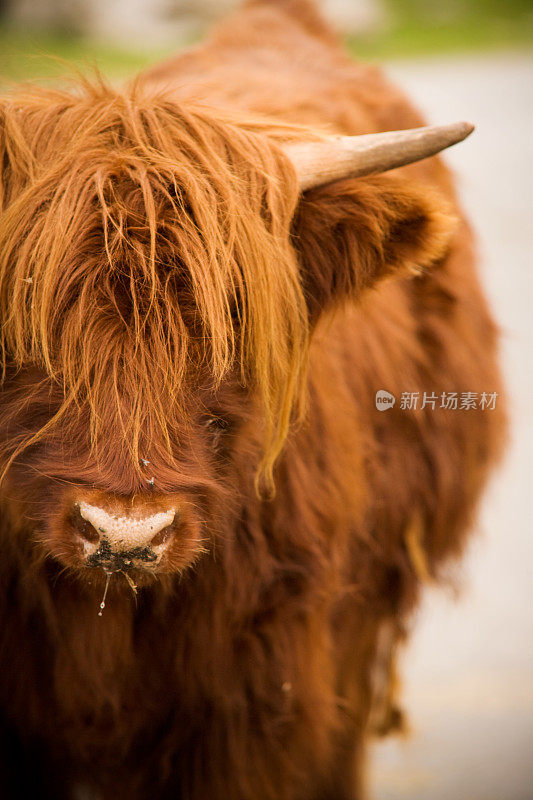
(120, 538)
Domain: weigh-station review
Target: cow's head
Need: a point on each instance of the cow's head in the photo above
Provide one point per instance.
(160, 276)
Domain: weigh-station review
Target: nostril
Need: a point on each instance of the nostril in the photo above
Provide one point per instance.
(83, 527)
(164, 533)
(161, 537)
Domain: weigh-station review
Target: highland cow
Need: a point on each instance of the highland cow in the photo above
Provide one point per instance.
(212, 537)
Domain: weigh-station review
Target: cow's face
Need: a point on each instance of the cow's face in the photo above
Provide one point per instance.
(153, 324)
(160, 277)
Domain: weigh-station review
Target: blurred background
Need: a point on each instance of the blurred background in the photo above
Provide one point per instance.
(122, 35)
(468, 671)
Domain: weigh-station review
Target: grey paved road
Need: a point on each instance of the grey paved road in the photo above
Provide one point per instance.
(469, 669)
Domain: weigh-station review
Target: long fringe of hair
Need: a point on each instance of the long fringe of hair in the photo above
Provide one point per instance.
(142, 241)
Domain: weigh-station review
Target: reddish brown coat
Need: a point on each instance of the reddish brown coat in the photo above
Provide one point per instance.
(262, 669)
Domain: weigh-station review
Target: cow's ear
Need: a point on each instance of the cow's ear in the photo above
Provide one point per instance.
(353, 233)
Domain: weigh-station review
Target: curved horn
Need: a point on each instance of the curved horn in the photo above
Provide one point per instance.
(318, 163)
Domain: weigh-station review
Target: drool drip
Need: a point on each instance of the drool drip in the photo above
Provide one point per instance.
(102, 604)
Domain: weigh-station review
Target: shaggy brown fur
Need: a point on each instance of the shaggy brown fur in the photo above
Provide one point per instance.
(179, 327)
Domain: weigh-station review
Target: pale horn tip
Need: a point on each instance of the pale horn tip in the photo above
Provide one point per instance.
(463, 129)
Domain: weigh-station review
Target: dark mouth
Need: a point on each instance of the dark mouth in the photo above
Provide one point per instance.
(113, 561)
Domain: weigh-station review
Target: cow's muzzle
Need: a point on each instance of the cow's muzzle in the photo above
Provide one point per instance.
(122, 538)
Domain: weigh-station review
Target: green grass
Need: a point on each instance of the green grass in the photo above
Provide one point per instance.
(415, 28)
(41, 56)
(412, 37)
